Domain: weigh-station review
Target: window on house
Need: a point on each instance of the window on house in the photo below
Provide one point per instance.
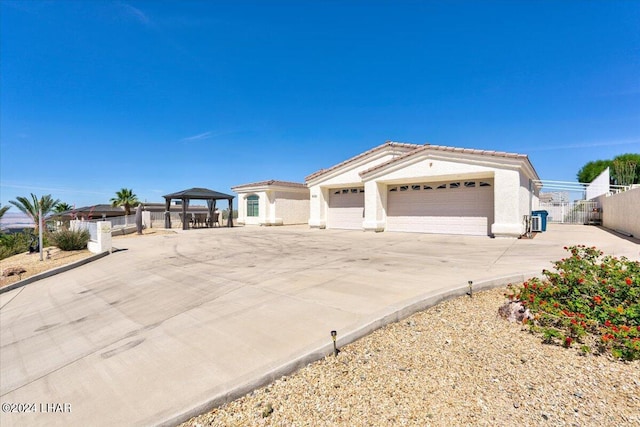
(441, 186)
(415, 187)
(354, 190)
(454, 185)
(252, 205)
(470, 184)
(427, 187)
(404, 188)
(484, 184)
(393, 189)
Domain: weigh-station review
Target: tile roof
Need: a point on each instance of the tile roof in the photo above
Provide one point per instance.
(428, 147)
(388, 144)
(272, 182)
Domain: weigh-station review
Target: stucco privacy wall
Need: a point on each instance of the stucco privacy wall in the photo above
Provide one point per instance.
(292, 207)
(621, 211)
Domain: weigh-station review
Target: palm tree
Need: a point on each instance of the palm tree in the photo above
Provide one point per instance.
(126, 199)
(32, 207)
(4, 210)
(62, 207)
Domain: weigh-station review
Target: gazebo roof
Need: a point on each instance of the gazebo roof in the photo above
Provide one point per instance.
(199, 194)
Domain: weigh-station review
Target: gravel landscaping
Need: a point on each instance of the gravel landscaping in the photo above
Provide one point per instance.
(457, 363)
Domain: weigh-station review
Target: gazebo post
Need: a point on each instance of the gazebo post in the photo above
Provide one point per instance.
(167, 213)
(211, 205)
(185, 223)
(230, 216)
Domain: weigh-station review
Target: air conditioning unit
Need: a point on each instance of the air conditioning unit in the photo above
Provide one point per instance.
(536, 223)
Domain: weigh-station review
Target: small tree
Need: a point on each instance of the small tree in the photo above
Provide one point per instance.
(32, 207)
(625, 171)
(126, 199)
(591, 170)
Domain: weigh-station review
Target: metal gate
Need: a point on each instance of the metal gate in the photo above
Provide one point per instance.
(580, 212)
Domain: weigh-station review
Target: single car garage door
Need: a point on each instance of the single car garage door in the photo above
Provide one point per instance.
(455, 207)
(346, 208)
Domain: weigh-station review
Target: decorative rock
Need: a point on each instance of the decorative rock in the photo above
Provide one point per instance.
(514, 311)
(13, 271)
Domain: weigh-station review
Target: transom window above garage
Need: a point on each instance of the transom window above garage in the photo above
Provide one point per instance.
(439, 185)
(339, 191)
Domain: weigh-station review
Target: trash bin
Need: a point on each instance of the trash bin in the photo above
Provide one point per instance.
(543, 215)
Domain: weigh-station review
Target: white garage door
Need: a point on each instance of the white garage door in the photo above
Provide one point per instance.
(456, 207)
(346, 208)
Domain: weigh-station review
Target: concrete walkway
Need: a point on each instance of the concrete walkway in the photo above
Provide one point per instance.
(176, 323)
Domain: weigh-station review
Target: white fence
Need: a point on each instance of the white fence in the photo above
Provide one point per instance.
(121, 221)
(157, 219)
(90, 226)
(118, 224)
(580, 212)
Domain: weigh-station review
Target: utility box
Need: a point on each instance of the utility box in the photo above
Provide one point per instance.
(543, 219)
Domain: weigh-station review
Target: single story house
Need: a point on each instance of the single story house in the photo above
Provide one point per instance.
(428, 189)
(272, 203)
(90, 212)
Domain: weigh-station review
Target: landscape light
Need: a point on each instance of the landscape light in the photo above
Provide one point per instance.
(334, 334)
(470, 293)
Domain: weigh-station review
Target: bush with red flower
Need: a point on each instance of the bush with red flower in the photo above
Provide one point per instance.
(590, 299)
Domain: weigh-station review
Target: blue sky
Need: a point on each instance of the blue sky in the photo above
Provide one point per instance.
(160, 96)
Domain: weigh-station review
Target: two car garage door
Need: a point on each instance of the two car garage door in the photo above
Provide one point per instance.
(457, 207)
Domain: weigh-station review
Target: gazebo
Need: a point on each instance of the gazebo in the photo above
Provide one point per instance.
(197, 194)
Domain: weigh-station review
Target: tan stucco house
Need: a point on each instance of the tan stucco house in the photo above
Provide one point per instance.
(426, 188)
(272, 203)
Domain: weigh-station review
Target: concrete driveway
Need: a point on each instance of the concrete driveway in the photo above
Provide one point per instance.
(172, 324)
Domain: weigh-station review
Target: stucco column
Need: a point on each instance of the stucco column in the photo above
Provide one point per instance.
(146, 219)
(508, 221)
(103, 238)
(242, 206)
(375, 203)
(270, 208)
(318, 207)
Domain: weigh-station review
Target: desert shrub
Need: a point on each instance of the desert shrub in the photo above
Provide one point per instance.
(588, 299)
(16, 243)
(71, 240)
